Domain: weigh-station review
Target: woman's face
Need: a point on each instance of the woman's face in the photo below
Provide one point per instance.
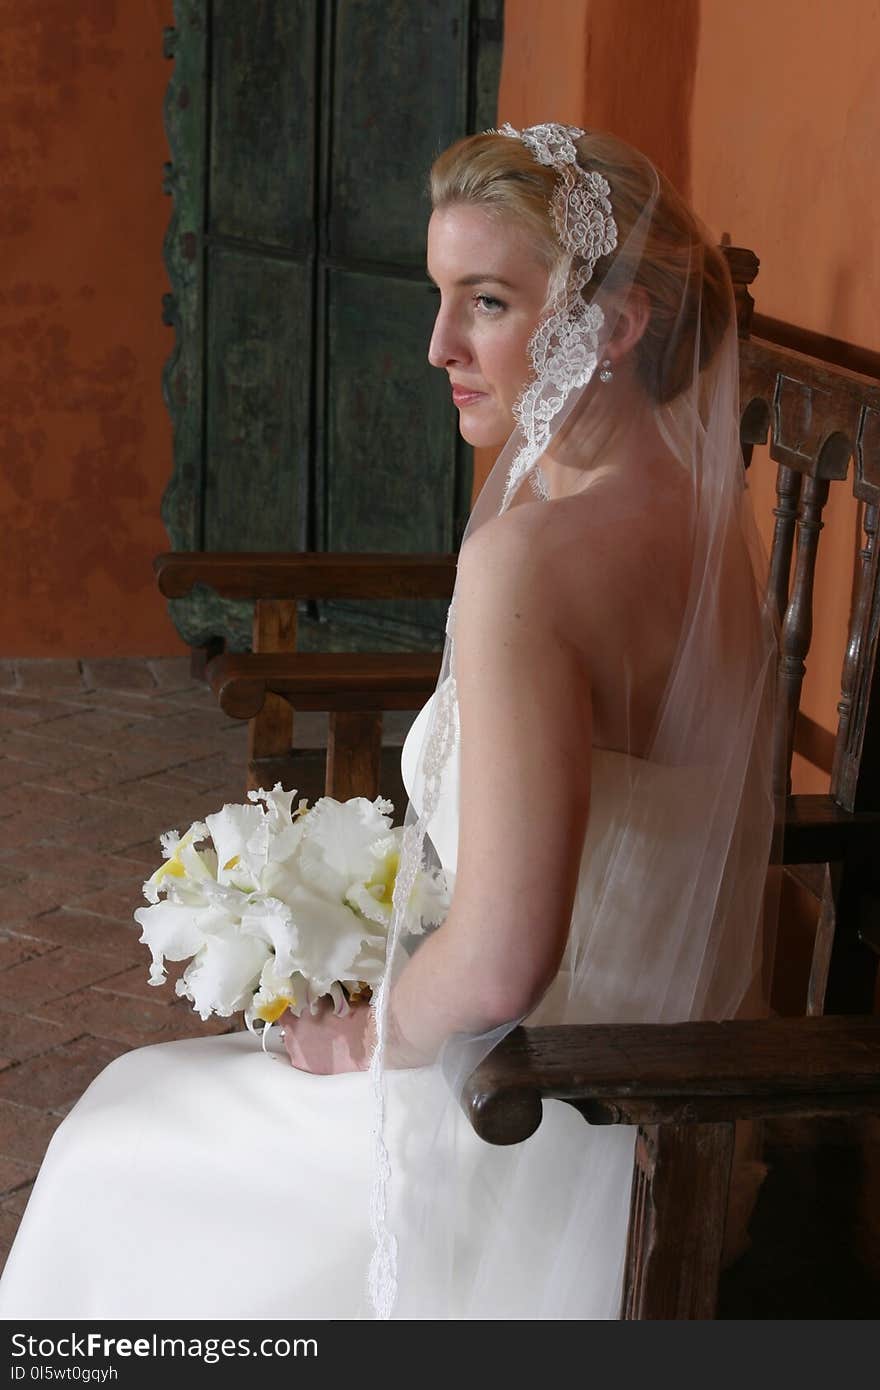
(492, 289)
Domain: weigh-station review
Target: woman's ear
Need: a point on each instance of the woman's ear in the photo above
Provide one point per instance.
(631, 323)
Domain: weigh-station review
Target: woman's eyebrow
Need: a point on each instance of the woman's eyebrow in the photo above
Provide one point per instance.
(478, 278)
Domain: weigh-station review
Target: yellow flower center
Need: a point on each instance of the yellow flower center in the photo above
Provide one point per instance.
(272, 1010)
(385, 877)
(231, 863)
(171, 868)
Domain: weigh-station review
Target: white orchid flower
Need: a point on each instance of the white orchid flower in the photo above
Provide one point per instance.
(283, 827)
(176, 931)
(282, 908)
(277, 993)
(330, 937)
(373, 896)
(368, 966)
(336, 848)
(280, 879)
(430, 899)
(271, 921)
(182, 860)
(278, 803)
(224, 974)
(233, 831)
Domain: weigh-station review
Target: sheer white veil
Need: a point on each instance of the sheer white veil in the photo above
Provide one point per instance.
(667, 923)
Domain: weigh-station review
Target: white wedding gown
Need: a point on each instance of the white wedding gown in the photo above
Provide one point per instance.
(206, 1179)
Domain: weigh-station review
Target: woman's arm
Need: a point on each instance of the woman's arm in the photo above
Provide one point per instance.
(526, 733)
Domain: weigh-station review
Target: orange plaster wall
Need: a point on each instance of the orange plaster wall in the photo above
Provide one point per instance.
(85, 440)
(786, 124)
(542, 68)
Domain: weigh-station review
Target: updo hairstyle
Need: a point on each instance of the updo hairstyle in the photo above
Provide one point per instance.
(684, 276)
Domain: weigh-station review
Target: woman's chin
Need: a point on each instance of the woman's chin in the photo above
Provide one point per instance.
(484, 434)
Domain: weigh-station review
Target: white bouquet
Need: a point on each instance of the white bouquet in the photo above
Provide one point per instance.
(278, 908)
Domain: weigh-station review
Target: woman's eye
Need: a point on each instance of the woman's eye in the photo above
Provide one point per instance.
(488, 304)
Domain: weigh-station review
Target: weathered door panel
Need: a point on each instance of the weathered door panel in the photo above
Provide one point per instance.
(264, 122)
(305, 413)
(400, 95)
(258, 395)
(390, 465)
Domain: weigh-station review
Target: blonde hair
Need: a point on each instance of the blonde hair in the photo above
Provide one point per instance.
(684, 276)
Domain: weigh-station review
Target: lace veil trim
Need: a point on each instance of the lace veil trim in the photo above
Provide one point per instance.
(564, 349)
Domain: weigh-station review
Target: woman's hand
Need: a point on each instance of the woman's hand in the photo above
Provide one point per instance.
(325, 1043)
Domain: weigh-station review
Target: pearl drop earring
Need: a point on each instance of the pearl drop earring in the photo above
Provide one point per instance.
(606, 371)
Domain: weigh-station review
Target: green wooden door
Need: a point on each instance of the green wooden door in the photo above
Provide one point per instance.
(305, 413)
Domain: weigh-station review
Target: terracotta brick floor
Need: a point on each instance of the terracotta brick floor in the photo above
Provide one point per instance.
(97, 758)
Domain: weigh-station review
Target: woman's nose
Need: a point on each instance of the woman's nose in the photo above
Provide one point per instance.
(447, 347)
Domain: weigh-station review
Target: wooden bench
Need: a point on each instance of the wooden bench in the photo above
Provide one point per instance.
(267, 685)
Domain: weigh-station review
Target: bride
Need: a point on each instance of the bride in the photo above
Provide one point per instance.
(593, 768)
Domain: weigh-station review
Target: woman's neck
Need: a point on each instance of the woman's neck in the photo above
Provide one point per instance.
(616, 428)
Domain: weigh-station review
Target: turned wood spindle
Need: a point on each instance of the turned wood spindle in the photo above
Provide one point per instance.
(797, 628)
(788, 491)
(840, 778)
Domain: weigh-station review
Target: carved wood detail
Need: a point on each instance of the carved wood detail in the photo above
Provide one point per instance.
(820, 415)
(797, 627)
(856, 771)
(788, 492)
(817, 416)
(853, 658)
(681, 1177)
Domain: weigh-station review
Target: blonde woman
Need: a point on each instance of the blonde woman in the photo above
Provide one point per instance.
(593, 768)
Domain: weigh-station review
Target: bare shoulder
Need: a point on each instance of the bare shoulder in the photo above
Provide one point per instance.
(588, 569)
(580, 590)
(546, 561)
(498, 542)
(517, 554)
(509, 596)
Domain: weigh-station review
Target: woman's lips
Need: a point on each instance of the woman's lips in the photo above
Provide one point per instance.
(460, 396)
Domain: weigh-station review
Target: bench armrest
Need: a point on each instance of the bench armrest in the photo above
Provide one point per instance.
(324, 680)
(307, 575)
(677, 1073)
